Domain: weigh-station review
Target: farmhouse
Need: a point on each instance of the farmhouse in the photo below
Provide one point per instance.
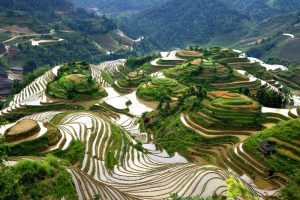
(266, 148)
(16, 70)
(5, 88)
(3, 75)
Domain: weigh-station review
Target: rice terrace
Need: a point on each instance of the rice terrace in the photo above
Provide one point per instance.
(194, 122)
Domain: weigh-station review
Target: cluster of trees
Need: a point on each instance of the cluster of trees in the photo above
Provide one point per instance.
(90, 23)
(173, 29)
(32, 179)
(109, 6)
(136, 62)
(44, 15)
(74, 47)
(37, 5)
(291, 190)
(271, 98)
(259, 10)
(263, 48)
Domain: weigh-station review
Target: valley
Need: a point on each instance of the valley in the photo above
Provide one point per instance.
(139, 99)
(171, 127)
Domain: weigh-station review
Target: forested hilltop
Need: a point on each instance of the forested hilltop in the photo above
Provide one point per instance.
(264, 29)
(52, 32)
(118, 6)
(201, 21)
(262, 9)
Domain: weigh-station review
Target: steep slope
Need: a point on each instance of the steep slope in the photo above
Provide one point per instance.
(54, 32)
(261, 9)
(276, 37)
(178, 23)
(117, 6)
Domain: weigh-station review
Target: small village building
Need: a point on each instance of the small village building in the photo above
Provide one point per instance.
(266, 148)
(5, 88)
(13, 50)
(3, 75)
(16, 70)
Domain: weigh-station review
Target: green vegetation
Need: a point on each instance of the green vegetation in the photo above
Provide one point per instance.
(168, 31)
(177, 197)
(135, 62)
(10, 118)
(285, 138)
(171, 134)
(74, 154)
(37, 146)
(36, 179)
(4, 150)
(117, 138)
(285, 160)
(292, 189)
(290, 77)
(132, 79)
(210, 71)
(161, 88)
(74, 82)
(271, 98)
(259, 10)
(237, 189)
(225, 109)
(107, 77)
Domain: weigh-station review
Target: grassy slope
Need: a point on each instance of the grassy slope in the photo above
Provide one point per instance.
(288, 132)
(33, 179)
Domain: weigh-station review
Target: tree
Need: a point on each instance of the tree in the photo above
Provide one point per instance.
(237, 189)
(271, 98)
(245, 91)
(29, 66)
(4, 150)
(292, 189)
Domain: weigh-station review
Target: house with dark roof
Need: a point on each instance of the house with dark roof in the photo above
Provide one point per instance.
(5, 88)
(3, 75)
(266, 148)
(16, 70)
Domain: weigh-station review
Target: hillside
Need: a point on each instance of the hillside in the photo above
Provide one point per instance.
(106, 145)
(118, 6)
(167, 24)
(262, 9)
(55, 32)
(281, 39)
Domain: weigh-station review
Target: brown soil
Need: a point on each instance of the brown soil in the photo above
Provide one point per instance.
(132, 74)
(262, 183)
(23, 127)
(76, 78)
(217, 94)
(189, 53)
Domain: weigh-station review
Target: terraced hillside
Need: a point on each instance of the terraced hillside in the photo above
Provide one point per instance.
(115, 149)
(129, 82)
(225, 109)
(161, 88)
(74, 82)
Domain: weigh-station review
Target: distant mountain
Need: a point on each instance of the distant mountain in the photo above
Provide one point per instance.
(178, 23)
(118, 6)
(261, 9)
(275, 38)
(43, 15)
(66, 33)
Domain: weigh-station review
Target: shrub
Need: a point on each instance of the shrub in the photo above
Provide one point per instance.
(73, 154)
(30, 179)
